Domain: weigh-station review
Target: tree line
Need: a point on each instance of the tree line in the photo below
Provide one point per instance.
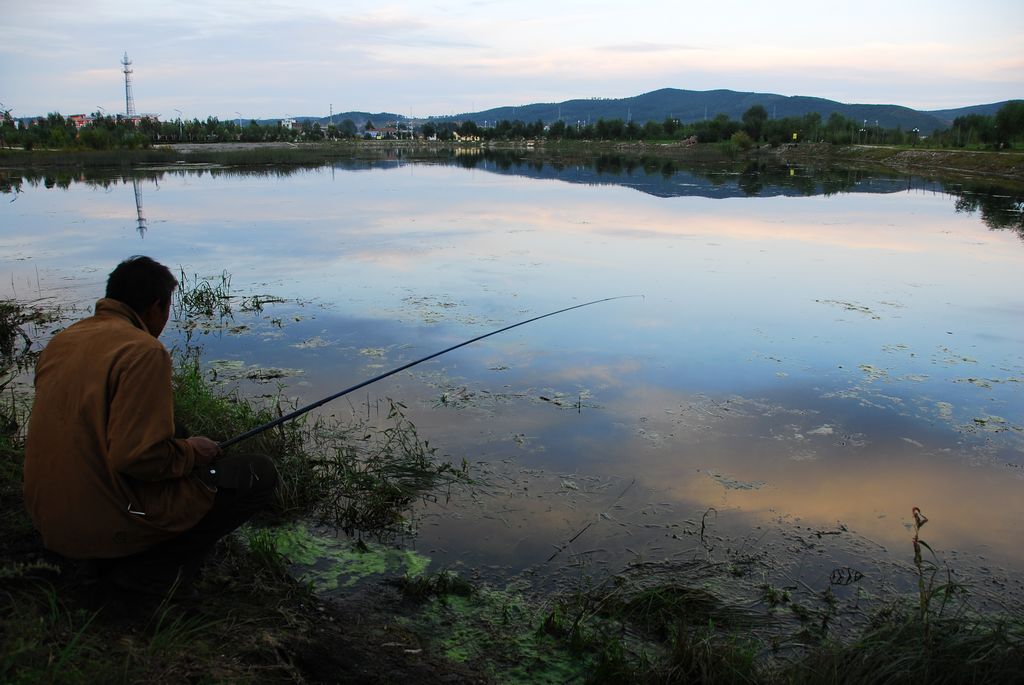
(1003, 130)
(104, 132)
(755, 127)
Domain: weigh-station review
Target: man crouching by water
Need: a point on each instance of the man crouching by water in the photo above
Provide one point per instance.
(106, 479)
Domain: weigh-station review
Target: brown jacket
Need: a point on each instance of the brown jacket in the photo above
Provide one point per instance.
(104, 475)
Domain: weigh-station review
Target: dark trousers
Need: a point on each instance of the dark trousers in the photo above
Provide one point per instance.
(245, 484)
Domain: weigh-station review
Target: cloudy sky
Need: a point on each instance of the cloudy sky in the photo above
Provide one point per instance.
(250, 58)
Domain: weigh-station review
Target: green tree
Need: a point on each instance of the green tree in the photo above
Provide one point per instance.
(753, 121)
(652, 130)
(811, 126)
(1010, 122)
(609, 129)
(8, 131)
(253, 133)
(718, 129)
(96, 138)
(150, 128)
(973, 129)
(469, 128)
(839, 129)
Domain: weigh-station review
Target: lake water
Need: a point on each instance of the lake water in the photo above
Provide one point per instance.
(812, 356)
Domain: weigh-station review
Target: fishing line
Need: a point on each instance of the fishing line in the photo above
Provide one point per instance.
(309, 407)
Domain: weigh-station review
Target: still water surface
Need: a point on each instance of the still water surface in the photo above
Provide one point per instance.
(809, 365)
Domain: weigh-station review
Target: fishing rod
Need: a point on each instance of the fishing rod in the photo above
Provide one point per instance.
(309, 407)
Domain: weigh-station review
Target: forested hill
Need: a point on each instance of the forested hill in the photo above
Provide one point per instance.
(360, 119)
(948, 115)
(694, 105)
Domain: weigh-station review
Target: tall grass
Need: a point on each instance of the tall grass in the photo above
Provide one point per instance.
(936, 639)
(197, 296)
(85, 158)
(53, 630)
(646, 626)
(368, 478)
(895, 650)
(44, 639)
(18, 323)
(359, 477)
(307, 154)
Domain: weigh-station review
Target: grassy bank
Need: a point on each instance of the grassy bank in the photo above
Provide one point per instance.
(1006, 166)
(225, 154)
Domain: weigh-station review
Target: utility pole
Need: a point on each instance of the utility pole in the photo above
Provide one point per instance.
(129, 100)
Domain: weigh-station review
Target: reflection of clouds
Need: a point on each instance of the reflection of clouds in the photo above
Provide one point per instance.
(529, 517)
(443, 215)
(868, 486)
(606, 375)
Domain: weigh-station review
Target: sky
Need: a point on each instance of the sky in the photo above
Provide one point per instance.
(254, 59)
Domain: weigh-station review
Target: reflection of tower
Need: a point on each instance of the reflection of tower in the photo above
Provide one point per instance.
(138, 209)
(129, 101)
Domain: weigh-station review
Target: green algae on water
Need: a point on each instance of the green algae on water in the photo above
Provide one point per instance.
(331, 562)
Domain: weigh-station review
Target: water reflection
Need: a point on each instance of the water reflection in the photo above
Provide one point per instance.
(1000, 207)
(140, 216)
(817, 349)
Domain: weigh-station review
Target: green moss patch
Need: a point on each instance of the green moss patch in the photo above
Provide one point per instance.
(502, 633)
(332, 562)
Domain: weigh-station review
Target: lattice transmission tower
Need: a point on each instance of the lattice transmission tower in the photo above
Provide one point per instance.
(129, 100)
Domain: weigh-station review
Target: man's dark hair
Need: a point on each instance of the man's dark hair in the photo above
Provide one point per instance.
(139, 282)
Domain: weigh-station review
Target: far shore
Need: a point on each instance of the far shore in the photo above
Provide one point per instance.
(1001, 166)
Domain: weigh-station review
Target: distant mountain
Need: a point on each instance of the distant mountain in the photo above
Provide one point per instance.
(694, 105)
(685, 105)
(948, 115)
(358, 118)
